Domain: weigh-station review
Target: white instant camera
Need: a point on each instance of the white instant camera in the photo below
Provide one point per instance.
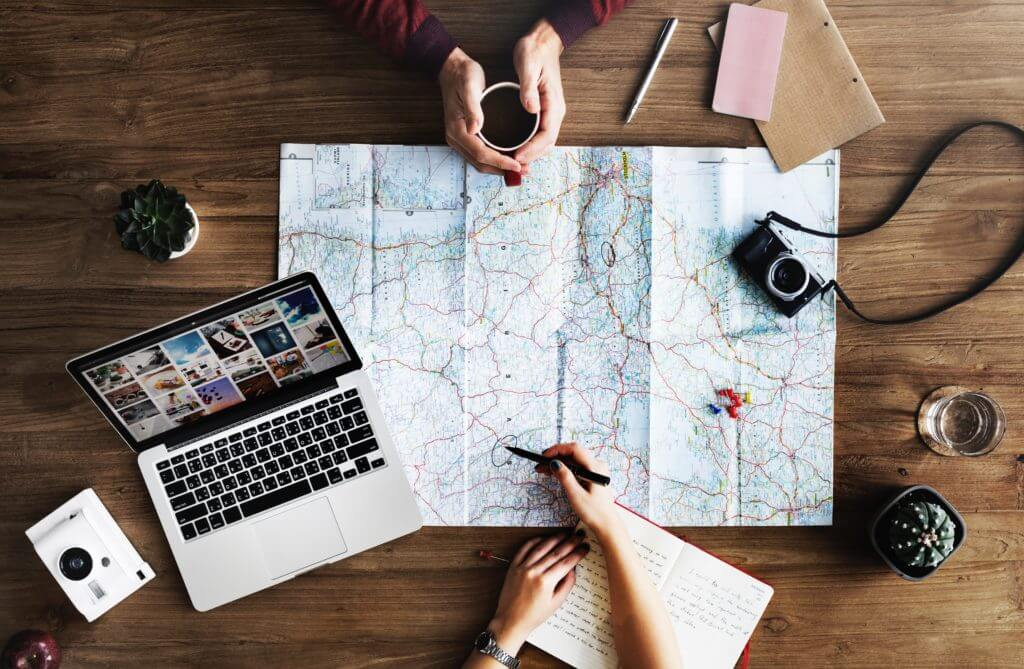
(89, 555)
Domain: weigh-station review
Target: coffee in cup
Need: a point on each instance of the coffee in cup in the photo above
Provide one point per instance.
(507, 124)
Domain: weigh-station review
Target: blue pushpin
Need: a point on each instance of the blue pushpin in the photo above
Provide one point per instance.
(715, 409)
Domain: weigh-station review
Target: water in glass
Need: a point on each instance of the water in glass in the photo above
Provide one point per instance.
(956, 421)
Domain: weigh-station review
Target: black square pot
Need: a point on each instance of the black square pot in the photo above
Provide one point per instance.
(880, 541)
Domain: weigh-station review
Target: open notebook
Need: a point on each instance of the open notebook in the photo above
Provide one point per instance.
(714, 606)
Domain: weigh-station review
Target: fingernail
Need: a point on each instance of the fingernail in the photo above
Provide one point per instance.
(581, 533)
(555, 465)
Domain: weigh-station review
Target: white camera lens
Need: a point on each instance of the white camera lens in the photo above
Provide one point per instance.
(75, 563)
(787, 277)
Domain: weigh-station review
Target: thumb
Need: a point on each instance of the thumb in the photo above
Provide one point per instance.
(572, 487)
(564, 586)
(529, 80)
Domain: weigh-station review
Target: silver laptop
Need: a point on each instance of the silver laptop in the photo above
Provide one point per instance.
(259, 436)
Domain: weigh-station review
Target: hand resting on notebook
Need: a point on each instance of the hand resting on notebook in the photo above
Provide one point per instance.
(541, 575)
(538, 580)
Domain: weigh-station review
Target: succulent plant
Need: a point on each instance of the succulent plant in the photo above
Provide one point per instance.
(154, 220)
(921, 534)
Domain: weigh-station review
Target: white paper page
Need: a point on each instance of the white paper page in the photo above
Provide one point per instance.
(604, 362)
(714, 608)
(713, 328)
(580, 632)
(417, 316)
(515, 278)
(326, 226)
(785, 439)
(696, 223)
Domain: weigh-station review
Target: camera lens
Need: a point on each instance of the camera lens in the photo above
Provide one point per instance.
(787, 277)
(75, 563)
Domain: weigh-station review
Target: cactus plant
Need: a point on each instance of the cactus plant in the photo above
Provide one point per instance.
(921, 534)
(154, 220)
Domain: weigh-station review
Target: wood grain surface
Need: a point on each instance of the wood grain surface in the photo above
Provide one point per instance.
(97, 95)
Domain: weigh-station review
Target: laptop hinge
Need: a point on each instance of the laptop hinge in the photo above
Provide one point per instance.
(254, 417)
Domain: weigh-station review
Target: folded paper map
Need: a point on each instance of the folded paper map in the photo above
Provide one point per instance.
(597, 303)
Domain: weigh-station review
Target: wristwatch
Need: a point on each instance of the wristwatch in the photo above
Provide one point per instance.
(486, 644)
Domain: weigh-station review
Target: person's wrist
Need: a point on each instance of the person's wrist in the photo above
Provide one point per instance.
(455, 61)
(545, 35)
(609, 529)
(509, 636)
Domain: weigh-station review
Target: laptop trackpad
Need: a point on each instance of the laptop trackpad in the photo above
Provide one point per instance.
(299, 537)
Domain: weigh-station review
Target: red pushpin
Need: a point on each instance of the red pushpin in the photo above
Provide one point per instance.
(491, 555)
(513, 178)
(734, 401)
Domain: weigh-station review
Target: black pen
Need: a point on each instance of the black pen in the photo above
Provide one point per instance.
(580, 472)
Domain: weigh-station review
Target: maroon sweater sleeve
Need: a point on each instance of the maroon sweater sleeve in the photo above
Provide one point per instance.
(572, 18)
(403, 29)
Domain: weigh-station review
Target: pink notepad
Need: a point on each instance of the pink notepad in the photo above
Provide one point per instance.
(751, 53)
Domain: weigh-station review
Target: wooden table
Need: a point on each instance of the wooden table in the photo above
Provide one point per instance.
(98, 95)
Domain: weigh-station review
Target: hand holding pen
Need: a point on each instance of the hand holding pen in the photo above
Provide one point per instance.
(550, 462)
(593, 503)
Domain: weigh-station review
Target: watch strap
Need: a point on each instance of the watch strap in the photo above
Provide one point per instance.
(492, 649)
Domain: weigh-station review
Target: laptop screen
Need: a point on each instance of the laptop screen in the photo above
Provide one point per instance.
(235, 359)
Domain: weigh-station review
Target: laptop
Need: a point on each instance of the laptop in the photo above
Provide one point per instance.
(259, 437)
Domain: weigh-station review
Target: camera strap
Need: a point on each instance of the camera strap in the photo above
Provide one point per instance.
(978, 287)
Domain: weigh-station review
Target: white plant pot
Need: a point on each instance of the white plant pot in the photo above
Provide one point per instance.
(193, 238)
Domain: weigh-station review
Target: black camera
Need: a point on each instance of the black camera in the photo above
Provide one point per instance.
(779, 269)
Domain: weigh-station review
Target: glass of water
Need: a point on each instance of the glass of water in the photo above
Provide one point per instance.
(955, 421)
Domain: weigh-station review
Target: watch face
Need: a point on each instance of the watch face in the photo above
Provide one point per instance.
(483, 640)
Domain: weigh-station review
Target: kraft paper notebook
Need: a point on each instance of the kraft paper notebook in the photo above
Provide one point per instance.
(821, 98)
(714, 606)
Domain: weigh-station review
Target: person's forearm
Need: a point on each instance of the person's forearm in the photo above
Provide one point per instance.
(572, 18)
(643, 631)
(404, 29)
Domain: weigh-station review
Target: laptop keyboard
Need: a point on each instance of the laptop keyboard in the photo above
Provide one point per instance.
(312, 447)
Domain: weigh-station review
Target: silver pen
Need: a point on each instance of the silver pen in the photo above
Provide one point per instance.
(663, 40)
